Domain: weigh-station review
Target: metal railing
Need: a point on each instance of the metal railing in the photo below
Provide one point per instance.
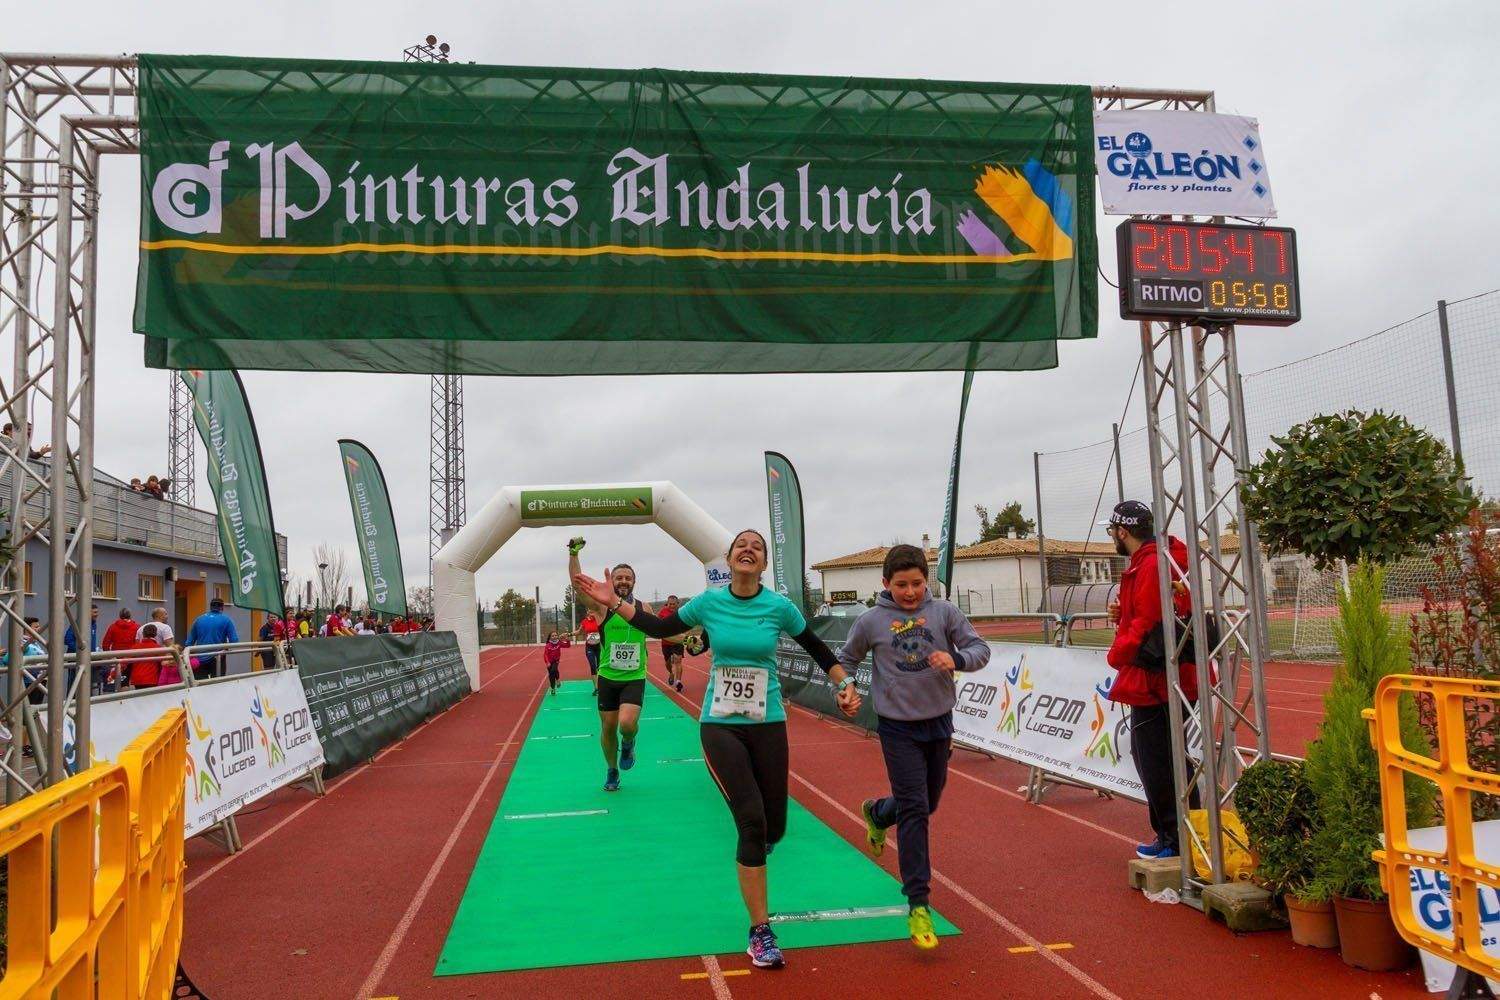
(34, 771)
(132, 517)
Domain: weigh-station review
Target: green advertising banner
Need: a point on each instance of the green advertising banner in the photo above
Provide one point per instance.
(375, 527)
(237, 476)
(804, 683)
(372, 216)
(788, 550)
(367, 691)
(950, 504)
(588, 502)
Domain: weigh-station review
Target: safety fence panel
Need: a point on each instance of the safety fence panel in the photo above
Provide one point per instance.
(82, 922)
(155, 763)
(367, 691)
(1473, 882)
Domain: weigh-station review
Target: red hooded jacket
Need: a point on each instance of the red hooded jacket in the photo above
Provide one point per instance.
(1140, 612)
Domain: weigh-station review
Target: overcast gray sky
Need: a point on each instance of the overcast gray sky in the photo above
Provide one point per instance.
(1378, 121)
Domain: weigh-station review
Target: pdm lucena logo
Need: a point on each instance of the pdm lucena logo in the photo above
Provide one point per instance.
(202, 762)
(1107, 737)
(261, 716)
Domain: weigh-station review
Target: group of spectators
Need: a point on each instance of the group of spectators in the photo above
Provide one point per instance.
(304, 625)
(154, 486)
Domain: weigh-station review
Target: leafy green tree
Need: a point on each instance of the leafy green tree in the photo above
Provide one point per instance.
(512, 607)
(1364, 490)
(1354, 486)
(1009, 522)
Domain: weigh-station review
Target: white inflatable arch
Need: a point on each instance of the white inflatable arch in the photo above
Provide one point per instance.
(454, 600)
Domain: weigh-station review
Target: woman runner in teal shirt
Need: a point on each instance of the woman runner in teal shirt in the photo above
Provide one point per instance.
(744, 721)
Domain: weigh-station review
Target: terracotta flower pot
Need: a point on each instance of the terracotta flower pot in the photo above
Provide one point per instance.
(1313, 924)
(1367, 936)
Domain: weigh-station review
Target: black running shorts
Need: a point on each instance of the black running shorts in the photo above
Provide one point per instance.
(613, 694)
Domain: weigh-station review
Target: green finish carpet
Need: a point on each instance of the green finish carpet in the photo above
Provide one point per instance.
(570, 874)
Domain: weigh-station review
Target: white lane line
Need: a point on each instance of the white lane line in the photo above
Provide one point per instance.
(716, 978)
(339, 783)
(570, 736)
(556, 815)
(1095, 987)
(392, 946)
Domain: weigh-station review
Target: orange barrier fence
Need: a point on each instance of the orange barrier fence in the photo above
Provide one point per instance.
(1456, 781)
(95, 869)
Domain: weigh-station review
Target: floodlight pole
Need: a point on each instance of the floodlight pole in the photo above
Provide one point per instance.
(447, 495)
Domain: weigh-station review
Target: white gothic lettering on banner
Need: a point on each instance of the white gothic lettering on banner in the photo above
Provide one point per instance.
(1181, 163)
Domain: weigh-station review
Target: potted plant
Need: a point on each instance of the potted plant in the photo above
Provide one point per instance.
(1279, 811)
(1357, 490)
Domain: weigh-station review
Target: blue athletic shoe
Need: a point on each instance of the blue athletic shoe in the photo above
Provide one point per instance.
(1167, 853)
(763, 952)
(1148, 851)
(627, 754)
(612, 780)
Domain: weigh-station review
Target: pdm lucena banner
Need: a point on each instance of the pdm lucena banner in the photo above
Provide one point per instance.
(506, 220)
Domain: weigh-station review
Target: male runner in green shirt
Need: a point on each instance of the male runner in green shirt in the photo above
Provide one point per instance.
(622, 671)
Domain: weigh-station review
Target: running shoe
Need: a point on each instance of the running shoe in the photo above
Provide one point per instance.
(627, 754)
(1151, 850)
(679, 687)
(763, 952)
(1167, 853)
(612, 780)
(874, 833)
(919, 926)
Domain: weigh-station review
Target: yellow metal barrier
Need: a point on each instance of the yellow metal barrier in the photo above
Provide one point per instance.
(95, 870)
(1456, 781)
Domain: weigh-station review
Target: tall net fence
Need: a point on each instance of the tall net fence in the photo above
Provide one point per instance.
(1399, 370)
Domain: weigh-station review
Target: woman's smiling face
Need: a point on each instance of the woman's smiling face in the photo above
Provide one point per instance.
(747, 553)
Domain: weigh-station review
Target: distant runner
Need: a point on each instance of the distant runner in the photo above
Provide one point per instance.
(672, 651)
(589, 629)
(622, 668)
(743, 722)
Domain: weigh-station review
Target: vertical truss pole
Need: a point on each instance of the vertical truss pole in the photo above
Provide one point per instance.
(58, 487)
(83, 599)
(21, 210)
(181, 444)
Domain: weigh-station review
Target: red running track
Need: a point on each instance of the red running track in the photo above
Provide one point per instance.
(351, 895)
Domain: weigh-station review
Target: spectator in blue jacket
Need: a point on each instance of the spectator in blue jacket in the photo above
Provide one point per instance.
(70, 638)
(212, 629)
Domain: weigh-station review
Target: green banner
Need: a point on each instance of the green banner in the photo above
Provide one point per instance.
(804, 683)
(370, 216)
(367, 691)
(375, 528)
(586, 503)
(237, 476)
(950, 505)
(788, 547)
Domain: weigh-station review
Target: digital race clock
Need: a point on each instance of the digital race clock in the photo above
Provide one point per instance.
(1206, 273)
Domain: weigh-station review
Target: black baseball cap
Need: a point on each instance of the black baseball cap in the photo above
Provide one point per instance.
(1129, 514)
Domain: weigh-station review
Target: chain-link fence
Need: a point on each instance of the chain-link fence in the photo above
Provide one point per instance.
(1404, 369)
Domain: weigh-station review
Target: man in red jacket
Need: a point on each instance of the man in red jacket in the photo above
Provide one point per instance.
(121, 633)
(1137, 613)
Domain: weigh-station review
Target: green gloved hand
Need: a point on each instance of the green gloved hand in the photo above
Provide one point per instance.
(575, 546)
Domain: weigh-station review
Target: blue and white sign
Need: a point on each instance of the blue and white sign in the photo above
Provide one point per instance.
(1181, 163)
(1430, 899)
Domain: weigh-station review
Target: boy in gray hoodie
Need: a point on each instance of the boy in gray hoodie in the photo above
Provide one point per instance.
(916, 642)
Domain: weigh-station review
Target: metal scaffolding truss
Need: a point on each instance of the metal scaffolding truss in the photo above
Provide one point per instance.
(60, 115)
(447, 494)
(182, 441)
(1195, 422)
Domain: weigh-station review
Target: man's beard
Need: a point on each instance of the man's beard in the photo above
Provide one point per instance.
(1120, 547)
(624, 590)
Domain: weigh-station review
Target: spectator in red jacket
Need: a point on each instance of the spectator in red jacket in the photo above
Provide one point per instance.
(1137, 613)
(120, 634)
